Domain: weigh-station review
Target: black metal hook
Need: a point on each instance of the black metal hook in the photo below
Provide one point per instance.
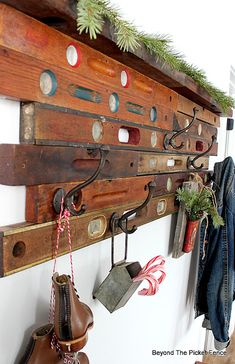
(69, 197)
(121, 222)
(169, 140)
(191, 162)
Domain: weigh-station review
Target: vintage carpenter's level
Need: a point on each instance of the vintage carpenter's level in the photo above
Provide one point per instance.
(105, 129)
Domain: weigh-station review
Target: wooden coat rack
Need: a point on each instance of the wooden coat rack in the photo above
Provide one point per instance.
(78, 100)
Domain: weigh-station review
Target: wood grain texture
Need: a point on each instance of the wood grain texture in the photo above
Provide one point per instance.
(47, 8)
(150, 163)
(29, 164)
(26, 35)
(46, 45)
(62, 15)
(186, 106)
(199, 128)
(24, 246)
(18, 83)
(100, 194)
(50, 126)
(37, 115)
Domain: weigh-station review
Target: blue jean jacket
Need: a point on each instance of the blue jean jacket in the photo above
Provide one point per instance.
(216, 275)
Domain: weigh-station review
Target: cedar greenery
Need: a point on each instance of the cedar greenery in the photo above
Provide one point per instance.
(199, 203)
(90, 19)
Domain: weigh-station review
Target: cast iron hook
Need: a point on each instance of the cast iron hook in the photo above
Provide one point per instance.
(69, 197)
(121, 222)
(191, 162)
(171, 140)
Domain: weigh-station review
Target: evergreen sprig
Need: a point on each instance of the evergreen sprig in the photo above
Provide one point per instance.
(90, 19)
(198, 203)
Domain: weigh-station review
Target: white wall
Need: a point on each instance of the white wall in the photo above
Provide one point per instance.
(203, 31)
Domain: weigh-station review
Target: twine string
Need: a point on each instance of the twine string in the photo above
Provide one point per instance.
(62, 223)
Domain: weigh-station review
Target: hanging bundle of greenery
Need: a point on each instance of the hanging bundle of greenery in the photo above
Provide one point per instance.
(198, 204)
(90, 19)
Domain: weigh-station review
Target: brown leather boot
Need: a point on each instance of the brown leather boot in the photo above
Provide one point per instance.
(72, 317)
(76, 358)
(39, 349)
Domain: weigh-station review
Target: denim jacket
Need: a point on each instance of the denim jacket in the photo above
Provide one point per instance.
(216, 273)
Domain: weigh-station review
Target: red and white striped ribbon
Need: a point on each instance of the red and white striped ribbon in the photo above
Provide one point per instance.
(61, 226)
(147, 272)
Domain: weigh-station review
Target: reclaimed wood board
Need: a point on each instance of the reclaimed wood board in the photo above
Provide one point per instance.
(150, 163)
(28, 164)
(75, 100)
(100, 194)
(198, 128)
(186, 106)
(61, 14)
(60, 87)
(25, 164)
(24, 246)
(39, 41)
(50, 126)
(34, 115)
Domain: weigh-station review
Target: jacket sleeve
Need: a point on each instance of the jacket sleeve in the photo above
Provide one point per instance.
(220, 287)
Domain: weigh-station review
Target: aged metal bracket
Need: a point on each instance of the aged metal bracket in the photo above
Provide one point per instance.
(121, 222)
(69, 197)
(170, 139)
(191, 162)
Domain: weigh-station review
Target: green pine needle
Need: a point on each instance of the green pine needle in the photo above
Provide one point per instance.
(197, 203)
(90, 19)
(160, 47)
(127, 36)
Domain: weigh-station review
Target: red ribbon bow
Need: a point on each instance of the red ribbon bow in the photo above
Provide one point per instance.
(147, 273)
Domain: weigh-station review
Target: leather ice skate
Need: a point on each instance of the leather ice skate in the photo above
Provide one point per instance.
(72, 317)
(39, 351)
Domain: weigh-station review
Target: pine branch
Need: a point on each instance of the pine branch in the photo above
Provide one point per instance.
(90, 19)
(160, 47)
(197, 203)
(127, 36)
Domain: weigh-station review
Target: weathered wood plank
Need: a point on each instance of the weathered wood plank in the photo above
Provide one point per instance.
(31, 164)
(36, 116)
(26, 35)
(150, 163)
(186, 106)
(62, 15)
(100, 194)
(65, 9)
(51, 126)
(70, 90)
(199, 128)
(26, 246)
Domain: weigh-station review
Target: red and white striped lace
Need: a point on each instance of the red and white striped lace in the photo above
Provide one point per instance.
(61, 226)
